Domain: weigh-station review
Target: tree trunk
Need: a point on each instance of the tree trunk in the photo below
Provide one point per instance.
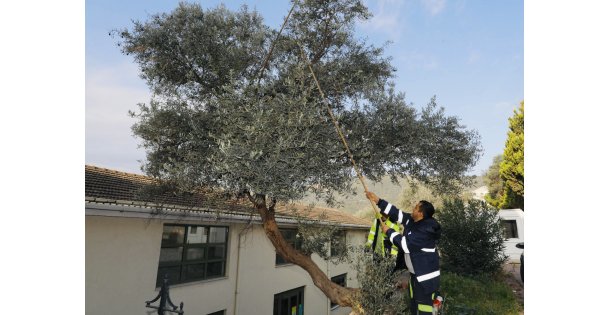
(337, 294)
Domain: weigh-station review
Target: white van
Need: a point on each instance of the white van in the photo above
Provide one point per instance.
(513, 222)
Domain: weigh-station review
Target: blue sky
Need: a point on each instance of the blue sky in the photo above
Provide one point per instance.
(467, 53)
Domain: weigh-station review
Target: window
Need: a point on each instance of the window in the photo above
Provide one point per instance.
(338, 243)
(510, 228)
(189, 253)
(341, 281)
(291, 237)
(222, 312)
(289, 302)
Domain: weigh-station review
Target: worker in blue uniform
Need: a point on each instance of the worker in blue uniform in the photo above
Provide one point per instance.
(419, 244)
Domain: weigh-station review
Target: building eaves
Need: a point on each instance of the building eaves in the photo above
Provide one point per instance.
(115, 188)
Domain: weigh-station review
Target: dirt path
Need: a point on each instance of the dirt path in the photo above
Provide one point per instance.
(514, 281)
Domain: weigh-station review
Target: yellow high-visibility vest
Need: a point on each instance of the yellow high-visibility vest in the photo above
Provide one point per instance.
(381, 237)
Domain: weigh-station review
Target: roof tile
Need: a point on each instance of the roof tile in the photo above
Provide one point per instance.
(111, 186)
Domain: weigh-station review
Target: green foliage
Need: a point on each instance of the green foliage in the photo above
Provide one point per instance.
(326, 240)
(472, 240)
(477, 295)
(212, 122)
(505, 177)
(492, 180)
(378, 294)
(512, 167)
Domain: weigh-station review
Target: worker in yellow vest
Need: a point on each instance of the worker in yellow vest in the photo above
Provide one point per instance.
(383, 245)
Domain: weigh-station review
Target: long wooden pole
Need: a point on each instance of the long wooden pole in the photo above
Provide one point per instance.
(338, 129)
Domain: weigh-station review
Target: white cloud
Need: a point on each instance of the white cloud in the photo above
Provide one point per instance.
(110, 93)
(434, 6)
(386, 17)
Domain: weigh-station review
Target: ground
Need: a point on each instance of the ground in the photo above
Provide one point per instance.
(514, 281)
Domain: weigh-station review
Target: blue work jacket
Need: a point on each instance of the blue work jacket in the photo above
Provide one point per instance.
(419, 243)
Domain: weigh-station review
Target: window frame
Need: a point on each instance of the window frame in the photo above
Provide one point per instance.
(338, 237)
(335, 279)
(297, 292)
(183, 262)
(295, 242)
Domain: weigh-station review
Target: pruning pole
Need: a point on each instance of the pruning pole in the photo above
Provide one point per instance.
(337, 126)
(267, 59)
(329, 111)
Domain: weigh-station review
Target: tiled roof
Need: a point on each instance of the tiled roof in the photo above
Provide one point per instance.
(104, 185)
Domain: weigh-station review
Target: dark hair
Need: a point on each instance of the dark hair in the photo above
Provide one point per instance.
(427, 208)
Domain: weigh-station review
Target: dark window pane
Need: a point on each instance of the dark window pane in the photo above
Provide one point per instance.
(289, 302)
(510, 228)
(171, 254)
(298, 242)
(289, 235)
(291, 238)
(216, 252)
(217, 235)
(196, 271)
(222, 312)
(197, 235)
(171, 272)
(172, 235)
(284, 310)
(340, 280)
(275, 308)
(293, 304)
(186, 256)
(278, 260)
(195, 253)
(338, 243)
(215, 269)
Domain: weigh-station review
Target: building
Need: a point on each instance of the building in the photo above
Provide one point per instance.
(216, 255)
(479, 193)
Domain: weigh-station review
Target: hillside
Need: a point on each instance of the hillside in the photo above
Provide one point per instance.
(356, 204)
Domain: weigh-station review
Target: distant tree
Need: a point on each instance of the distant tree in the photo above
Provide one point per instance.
(216, 120)
(492, 179)
(505, 177)
(415, 191)
(512, 166)
(412, 193)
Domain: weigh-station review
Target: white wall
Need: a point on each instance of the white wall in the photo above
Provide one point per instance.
(120, 257)
(122, 261)
(260, 275)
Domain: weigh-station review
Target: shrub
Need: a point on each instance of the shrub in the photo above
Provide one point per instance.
(472, 240)
(378, 294)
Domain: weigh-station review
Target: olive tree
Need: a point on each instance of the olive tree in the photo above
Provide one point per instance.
(217, 120)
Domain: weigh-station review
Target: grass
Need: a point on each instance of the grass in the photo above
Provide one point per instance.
(477, 295)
